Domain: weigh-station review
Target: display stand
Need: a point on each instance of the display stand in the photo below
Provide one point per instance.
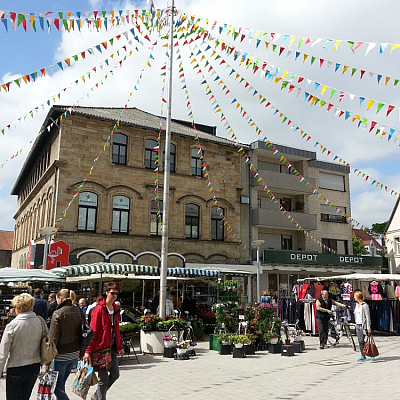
(249, 349)
(191, 353)
(169, 352)
(239, 352)
(184, 356)
(287, 350)
(299, 344)
(275, 348)
(263, 347)
(225, 349)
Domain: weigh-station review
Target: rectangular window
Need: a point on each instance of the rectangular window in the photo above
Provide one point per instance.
(287, 242)
(150, 153)
(217, 224)
(331, 181)
(328, 214)
(340, 246)
(397, 244)
(286, 202)
(196, 163)
(87, 211)
(272, 167)
(156, 218)
(121, 208)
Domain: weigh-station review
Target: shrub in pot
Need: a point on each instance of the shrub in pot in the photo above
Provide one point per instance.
(239, 340)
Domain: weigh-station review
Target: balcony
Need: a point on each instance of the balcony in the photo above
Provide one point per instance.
(283, 183)
(274, 219)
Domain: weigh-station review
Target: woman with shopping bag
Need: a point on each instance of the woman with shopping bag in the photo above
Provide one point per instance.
(21, 343)
(363, 322)
(106, 344)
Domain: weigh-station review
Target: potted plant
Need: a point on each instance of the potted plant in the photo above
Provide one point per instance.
(169, 341)
(223, 338)
(298, 335)
(285, 328)
(182, 347)
(274, 334)
(239, 340)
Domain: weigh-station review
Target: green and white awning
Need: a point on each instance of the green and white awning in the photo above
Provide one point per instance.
(106, 268)
(190, 272)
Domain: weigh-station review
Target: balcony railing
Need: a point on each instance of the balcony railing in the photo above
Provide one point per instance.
(275, 219)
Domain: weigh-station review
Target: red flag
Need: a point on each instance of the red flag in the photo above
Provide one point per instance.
(301, 79)
(373, 123)
(57, 23)
(389, 110)
(321, 61)
(281, 50)
(362, 72)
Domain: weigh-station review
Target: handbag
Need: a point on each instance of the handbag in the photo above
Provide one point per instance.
(48, 349)
(87, 335)
(101, 360)
(370, 348)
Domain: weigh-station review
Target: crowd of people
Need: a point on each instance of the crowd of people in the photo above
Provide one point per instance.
(61, 319)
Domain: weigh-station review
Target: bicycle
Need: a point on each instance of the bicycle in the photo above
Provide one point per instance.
(343, 330)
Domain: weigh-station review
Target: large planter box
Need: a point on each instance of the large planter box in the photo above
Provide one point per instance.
(214, 344)
(152, 343)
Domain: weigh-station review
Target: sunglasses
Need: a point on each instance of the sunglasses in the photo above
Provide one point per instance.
(114, 293)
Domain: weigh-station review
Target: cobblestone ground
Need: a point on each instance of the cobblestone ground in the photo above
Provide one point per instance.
(328, 374)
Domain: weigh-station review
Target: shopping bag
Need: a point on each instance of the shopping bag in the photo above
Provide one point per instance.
(94, 381)
(47, 385)
(82, 380)
(370, 348)
(101, 360)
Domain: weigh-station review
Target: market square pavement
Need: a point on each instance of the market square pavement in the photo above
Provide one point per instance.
(325, 374)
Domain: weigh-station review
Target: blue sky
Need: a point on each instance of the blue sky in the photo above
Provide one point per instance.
(367, 21)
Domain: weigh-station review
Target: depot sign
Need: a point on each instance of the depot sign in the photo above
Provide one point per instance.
(302, 257)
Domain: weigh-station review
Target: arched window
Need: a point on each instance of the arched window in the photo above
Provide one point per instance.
(155, 227)
(196, 163)
(172, 157)
(119, 148)
(120, 220)
(150, 153)
(217, 223)
(192, 221)
(87, 215)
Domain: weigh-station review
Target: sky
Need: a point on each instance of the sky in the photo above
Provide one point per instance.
(367, 21)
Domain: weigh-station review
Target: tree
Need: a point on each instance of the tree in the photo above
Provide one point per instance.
(379, 227)
(358, 247)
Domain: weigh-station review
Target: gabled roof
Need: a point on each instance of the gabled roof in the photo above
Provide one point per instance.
(6, 240)
(366, 238)
(392, 215)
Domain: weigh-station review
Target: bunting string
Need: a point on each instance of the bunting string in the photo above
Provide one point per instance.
(109, 138)
(68, 21)
(313, 60)
(206, 174)
(279, 40)
(69, 61)
(261, 99)
(75, 104)
(255, 174)
(244, 113)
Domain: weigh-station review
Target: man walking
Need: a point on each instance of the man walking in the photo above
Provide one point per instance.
(40, 307)
(324, 305)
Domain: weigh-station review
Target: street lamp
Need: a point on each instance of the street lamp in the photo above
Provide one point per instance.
(257, 244)
(47, 231)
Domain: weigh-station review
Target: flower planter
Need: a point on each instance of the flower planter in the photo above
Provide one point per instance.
(181, 351)
(152, 342)
(169, 343)
(238, 345)
(274, 340)
(249, 349)
(287, 342)
(224, 342)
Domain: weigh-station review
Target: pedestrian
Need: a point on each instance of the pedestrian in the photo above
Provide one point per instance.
(265, 298)
(323, 314)
(66, 333)
(40, 308)
(363, 322)
(82, 305)
(51, 307)
(92, 307)
(20, 344)
(11, 315)
(105, 324)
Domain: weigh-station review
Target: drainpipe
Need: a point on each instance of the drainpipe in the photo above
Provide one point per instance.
(250, 215)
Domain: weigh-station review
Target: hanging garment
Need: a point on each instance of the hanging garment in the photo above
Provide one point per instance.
(314, 318)
(318, 289)
(296, 291)
(376, 290)
(333, 289)
(303, 291)
(346, 290)
(307, 316)
(397, 292)
(365, 292)
(389, 289)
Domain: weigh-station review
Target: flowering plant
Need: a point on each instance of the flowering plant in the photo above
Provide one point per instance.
(285, 326)
(182, 345)
(192, 343)
(149, 322)
(297, 333)
(170, 338)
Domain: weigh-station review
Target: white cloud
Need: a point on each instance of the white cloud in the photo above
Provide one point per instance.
(306, 18)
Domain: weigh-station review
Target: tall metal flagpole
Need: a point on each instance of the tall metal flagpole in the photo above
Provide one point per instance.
(164, 237)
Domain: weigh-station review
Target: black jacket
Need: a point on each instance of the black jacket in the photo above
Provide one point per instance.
(40, 307)
(51, 309)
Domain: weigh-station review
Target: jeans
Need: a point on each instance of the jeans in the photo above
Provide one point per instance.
(20, 381)
(64, 369)
(361, 337)
(323, 331)
(107, 378)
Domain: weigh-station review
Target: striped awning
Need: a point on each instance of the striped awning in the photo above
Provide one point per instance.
(191, 272)
(106, 268)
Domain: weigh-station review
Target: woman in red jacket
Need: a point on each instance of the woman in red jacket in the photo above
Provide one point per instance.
(105, 324)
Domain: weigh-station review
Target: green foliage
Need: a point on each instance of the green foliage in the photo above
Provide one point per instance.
(198, 328)
(379, 227)
(235, 339)
(223, 337)
(129, 328)
(231, 283)
(358, 247)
